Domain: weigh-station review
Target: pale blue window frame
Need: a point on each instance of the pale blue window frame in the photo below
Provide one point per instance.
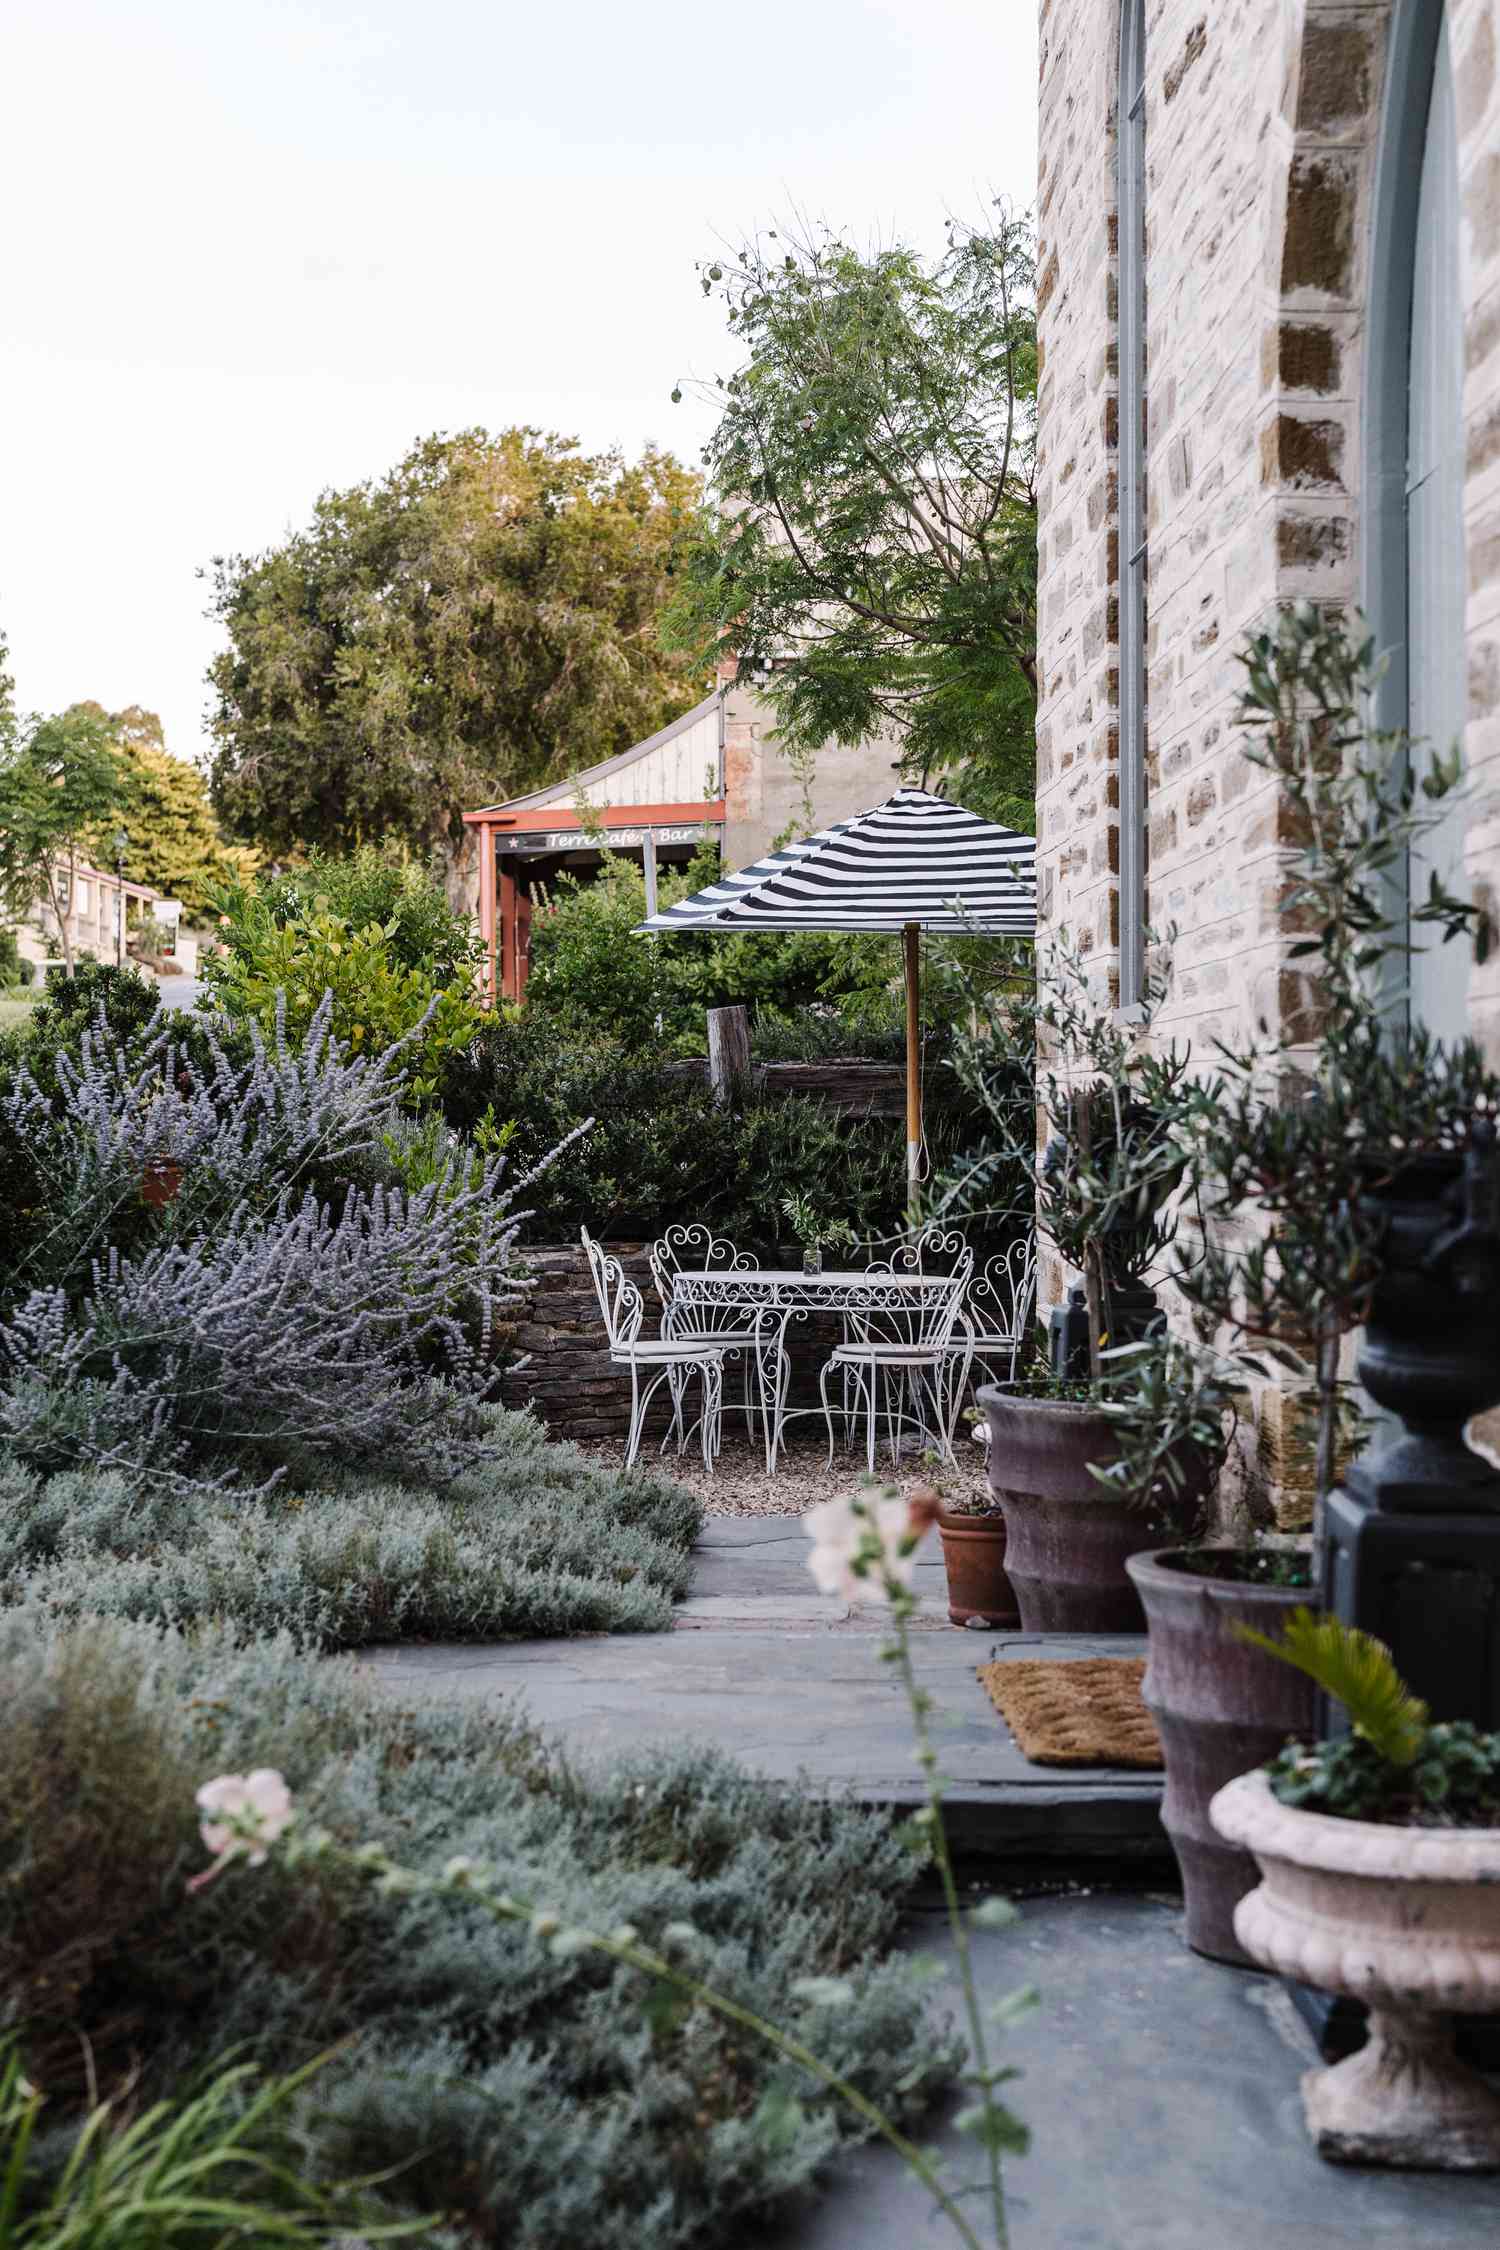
(1130, 206)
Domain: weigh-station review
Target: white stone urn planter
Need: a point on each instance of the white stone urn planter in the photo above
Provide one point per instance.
(1406, 1920)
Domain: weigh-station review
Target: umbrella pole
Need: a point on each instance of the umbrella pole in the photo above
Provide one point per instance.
(911, 937)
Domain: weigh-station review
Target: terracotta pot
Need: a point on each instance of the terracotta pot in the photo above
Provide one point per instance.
(1220, 1707)
(1405, 1920)
(161, 1181)
(1067, 1535)
(979, 1591)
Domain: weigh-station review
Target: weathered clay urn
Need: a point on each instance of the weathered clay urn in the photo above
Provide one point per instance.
(1067, 1535)
(979, 1587)
(1221, 1706)
(1405, 1920)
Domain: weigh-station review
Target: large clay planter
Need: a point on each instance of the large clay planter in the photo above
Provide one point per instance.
(979, 1588)
(1404, 1919)
(1067, 1536)
(1220, 1707)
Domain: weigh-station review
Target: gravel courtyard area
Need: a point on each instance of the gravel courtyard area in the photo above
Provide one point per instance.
(739, 1485)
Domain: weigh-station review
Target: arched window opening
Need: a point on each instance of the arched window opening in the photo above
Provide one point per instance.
(1414, 549)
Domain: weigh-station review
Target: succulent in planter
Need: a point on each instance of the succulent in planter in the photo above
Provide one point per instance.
(1379, 1852)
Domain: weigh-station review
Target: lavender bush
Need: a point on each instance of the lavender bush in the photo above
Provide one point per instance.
(267, 1309)
(220, 1131)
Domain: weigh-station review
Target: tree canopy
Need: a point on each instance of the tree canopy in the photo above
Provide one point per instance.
(60, 781)
(174, 842)
(482, 620)
(870, 550)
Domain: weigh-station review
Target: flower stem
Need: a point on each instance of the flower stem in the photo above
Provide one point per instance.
(927, 1756)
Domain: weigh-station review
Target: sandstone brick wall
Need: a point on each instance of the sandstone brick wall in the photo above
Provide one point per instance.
(1261, 125)
(1262, 120)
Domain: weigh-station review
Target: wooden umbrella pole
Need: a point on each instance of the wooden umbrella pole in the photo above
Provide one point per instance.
(911, 938)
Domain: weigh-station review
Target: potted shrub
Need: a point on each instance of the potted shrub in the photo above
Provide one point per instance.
(1379, 1858)
(1103, 1195)
(971, 1530)
(1305, 1180)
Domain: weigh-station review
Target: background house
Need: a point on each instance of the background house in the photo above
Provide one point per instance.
(718, 769)
(92, 910)
(1269, 307)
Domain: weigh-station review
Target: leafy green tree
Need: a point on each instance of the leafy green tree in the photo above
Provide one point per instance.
(61, 780)
(478, 622)
(871, 552)
(174, 840)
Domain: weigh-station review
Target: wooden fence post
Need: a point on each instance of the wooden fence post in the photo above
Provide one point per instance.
(728, 1049)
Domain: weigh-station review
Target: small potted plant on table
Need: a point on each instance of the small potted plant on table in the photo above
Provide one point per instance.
(816, 1233)
(1379, 1858)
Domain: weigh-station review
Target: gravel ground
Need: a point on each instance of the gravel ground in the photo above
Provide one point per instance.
(739, 1485)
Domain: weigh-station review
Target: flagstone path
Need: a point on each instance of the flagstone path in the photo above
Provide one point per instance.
(762, 1665)
(1161, 2090)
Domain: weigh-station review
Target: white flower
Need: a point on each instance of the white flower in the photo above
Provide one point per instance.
(244, 1813)
(859, 1531)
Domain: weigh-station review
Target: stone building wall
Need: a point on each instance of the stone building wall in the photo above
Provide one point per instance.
(1261, 134)
(768, 793)
(1261, 127)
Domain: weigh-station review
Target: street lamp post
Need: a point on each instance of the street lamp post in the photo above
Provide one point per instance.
(122, 845)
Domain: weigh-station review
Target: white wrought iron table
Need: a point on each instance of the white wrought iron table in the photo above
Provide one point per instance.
(773, 1297)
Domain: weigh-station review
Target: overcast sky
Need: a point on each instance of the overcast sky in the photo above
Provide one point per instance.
(257, 247)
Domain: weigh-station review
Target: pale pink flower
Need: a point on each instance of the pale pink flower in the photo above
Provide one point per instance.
(244, 1812)
(874, 1530)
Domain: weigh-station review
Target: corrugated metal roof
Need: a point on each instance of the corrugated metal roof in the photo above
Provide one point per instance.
(563, 792)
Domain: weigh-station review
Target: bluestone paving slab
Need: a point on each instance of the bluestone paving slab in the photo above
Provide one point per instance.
(1162, 2095)
(761, 1666)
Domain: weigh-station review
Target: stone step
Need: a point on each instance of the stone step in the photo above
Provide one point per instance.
(764, 1668)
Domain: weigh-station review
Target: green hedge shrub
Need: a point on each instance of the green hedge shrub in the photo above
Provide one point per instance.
(534, 1540)
(539, 2101)
(379, 884)
(591, 972)
(661, 1149)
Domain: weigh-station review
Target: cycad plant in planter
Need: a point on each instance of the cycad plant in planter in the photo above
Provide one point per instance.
(1379, 1857)
(1294, 1160)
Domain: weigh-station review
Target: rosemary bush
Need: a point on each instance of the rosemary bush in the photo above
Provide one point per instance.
(524, 2093)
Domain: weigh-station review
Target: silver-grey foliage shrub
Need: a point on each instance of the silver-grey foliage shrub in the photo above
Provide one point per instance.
(544, 2102)
(265, 1323)
(239, 1132)
(532, 1538)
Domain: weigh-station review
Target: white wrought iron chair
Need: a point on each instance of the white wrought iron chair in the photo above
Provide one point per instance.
(653, 1361)
(997, 1313)
(905, 1360)
(736, 1329)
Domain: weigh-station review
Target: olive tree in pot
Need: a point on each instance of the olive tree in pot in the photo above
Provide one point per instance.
(1103, 1195)
(1379, 1858)
(1293, 1169)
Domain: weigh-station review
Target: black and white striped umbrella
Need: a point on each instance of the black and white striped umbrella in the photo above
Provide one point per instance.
(915, 860)
(914, 863)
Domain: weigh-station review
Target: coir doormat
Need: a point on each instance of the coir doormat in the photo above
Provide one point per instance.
(1075, 1710)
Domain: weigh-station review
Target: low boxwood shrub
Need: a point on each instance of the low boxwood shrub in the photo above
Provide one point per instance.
(538, 2100)
(534, 1539)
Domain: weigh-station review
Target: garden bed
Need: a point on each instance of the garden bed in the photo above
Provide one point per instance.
(534, 2097)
